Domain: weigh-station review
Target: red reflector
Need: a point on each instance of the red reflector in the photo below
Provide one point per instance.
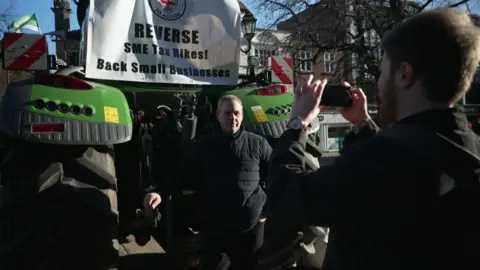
(273, 90)
(39, 128)
(62, 81)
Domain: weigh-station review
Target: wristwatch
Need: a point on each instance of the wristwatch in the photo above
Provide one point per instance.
(295, 123)
(360, 124)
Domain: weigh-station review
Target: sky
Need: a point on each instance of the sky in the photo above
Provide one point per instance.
(42, 9)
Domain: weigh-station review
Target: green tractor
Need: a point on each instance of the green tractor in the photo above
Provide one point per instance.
(58, 186)
(81, 151)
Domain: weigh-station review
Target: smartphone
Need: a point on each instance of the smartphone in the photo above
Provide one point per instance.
(337, 96)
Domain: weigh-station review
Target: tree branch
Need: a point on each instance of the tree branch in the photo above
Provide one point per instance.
(462, 2)
(354, 30)
(6, 17)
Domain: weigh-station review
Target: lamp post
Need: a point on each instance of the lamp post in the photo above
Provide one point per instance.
(249, 24)
(8, 72)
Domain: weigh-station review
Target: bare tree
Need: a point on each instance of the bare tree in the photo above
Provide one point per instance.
(6, 17)
(350, 29)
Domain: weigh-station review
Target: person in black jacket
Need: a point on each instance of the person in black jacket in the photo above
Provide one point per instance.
(228, 168)
(408, 196)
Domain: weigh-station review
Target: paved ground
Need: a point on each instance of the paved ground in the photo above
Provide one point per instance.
(148, 257)
(317, 261)
(320, 246)
(153, 257)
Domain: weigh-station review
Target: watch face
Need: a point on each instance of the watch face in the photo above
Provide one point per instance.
(295, 124)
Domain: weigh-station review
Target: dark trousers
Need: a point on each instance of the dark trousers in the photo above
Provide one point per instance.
(238, 251)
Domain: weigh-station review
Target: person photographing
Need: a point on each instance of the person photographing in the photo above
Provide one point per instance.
(406, 197)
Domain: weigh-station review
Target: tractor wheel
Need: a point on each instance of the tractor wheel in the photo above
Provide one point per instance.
(58, 209)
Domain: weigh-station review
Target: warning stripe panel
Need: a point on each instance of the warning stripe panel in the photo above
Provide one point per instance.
(289, 61)
(31, 56)
(25, 51)
(10, 38)
(282, 69)
(277, 70)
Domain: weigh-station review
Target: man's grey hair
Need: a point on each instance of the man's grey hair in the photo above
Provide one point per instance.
(228, 98)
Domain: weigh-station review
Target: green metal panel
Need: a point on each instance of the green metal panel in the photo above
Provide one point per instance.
(247, 95)
(251, 101)
(26, 114)
(106, 102)
(131, 87)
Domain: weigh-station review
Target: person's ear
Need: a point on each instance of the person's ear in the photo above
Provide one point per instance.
(404, 77)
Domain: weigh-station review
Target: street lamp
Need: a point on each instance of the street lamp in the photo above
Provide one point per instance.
(249, 24)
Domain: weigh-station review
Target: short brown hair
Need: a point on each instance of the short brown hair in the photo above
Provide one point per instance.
(443, 47)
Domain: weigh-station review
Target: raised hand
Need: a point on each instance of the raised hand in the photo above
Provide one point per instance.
(308, 94)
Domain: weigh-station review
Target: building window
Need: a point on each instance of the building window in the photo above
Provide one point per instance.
(328, 62)
(336, 136)
(264, 55)
(371, 39)
(306, 61)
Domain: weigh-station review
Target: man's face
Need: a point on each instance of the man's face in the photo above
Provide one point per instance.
(388, 94)
(230, 116)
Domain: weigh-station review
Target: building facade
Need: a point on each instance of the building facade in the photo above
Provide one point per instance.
(264, 44)
(318, 28)
(322, 27)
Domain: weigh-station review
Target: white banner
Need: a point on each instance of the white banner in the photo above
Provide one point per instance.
(164, 41)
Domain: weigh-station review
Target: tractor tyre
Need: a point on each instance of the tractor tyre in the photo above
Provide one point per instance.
(58, 208)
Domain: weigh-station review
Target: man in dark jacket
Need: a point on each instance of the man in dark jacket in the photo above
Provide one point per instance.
(228, 168)
(388, 203)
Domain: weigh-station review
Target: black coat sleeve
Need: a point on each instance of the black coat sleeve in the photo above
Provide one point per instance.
(266, 153)
(329, 195)
(353, 140)
(188, 175)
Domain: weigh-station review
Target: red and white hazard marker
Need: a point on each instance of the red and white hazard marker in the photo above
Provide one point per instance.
(25, 51)
(282, 69)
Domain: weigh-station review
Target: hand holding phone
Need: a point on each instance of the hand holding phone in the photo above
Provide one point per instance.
(310, 94)
(337, 96)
